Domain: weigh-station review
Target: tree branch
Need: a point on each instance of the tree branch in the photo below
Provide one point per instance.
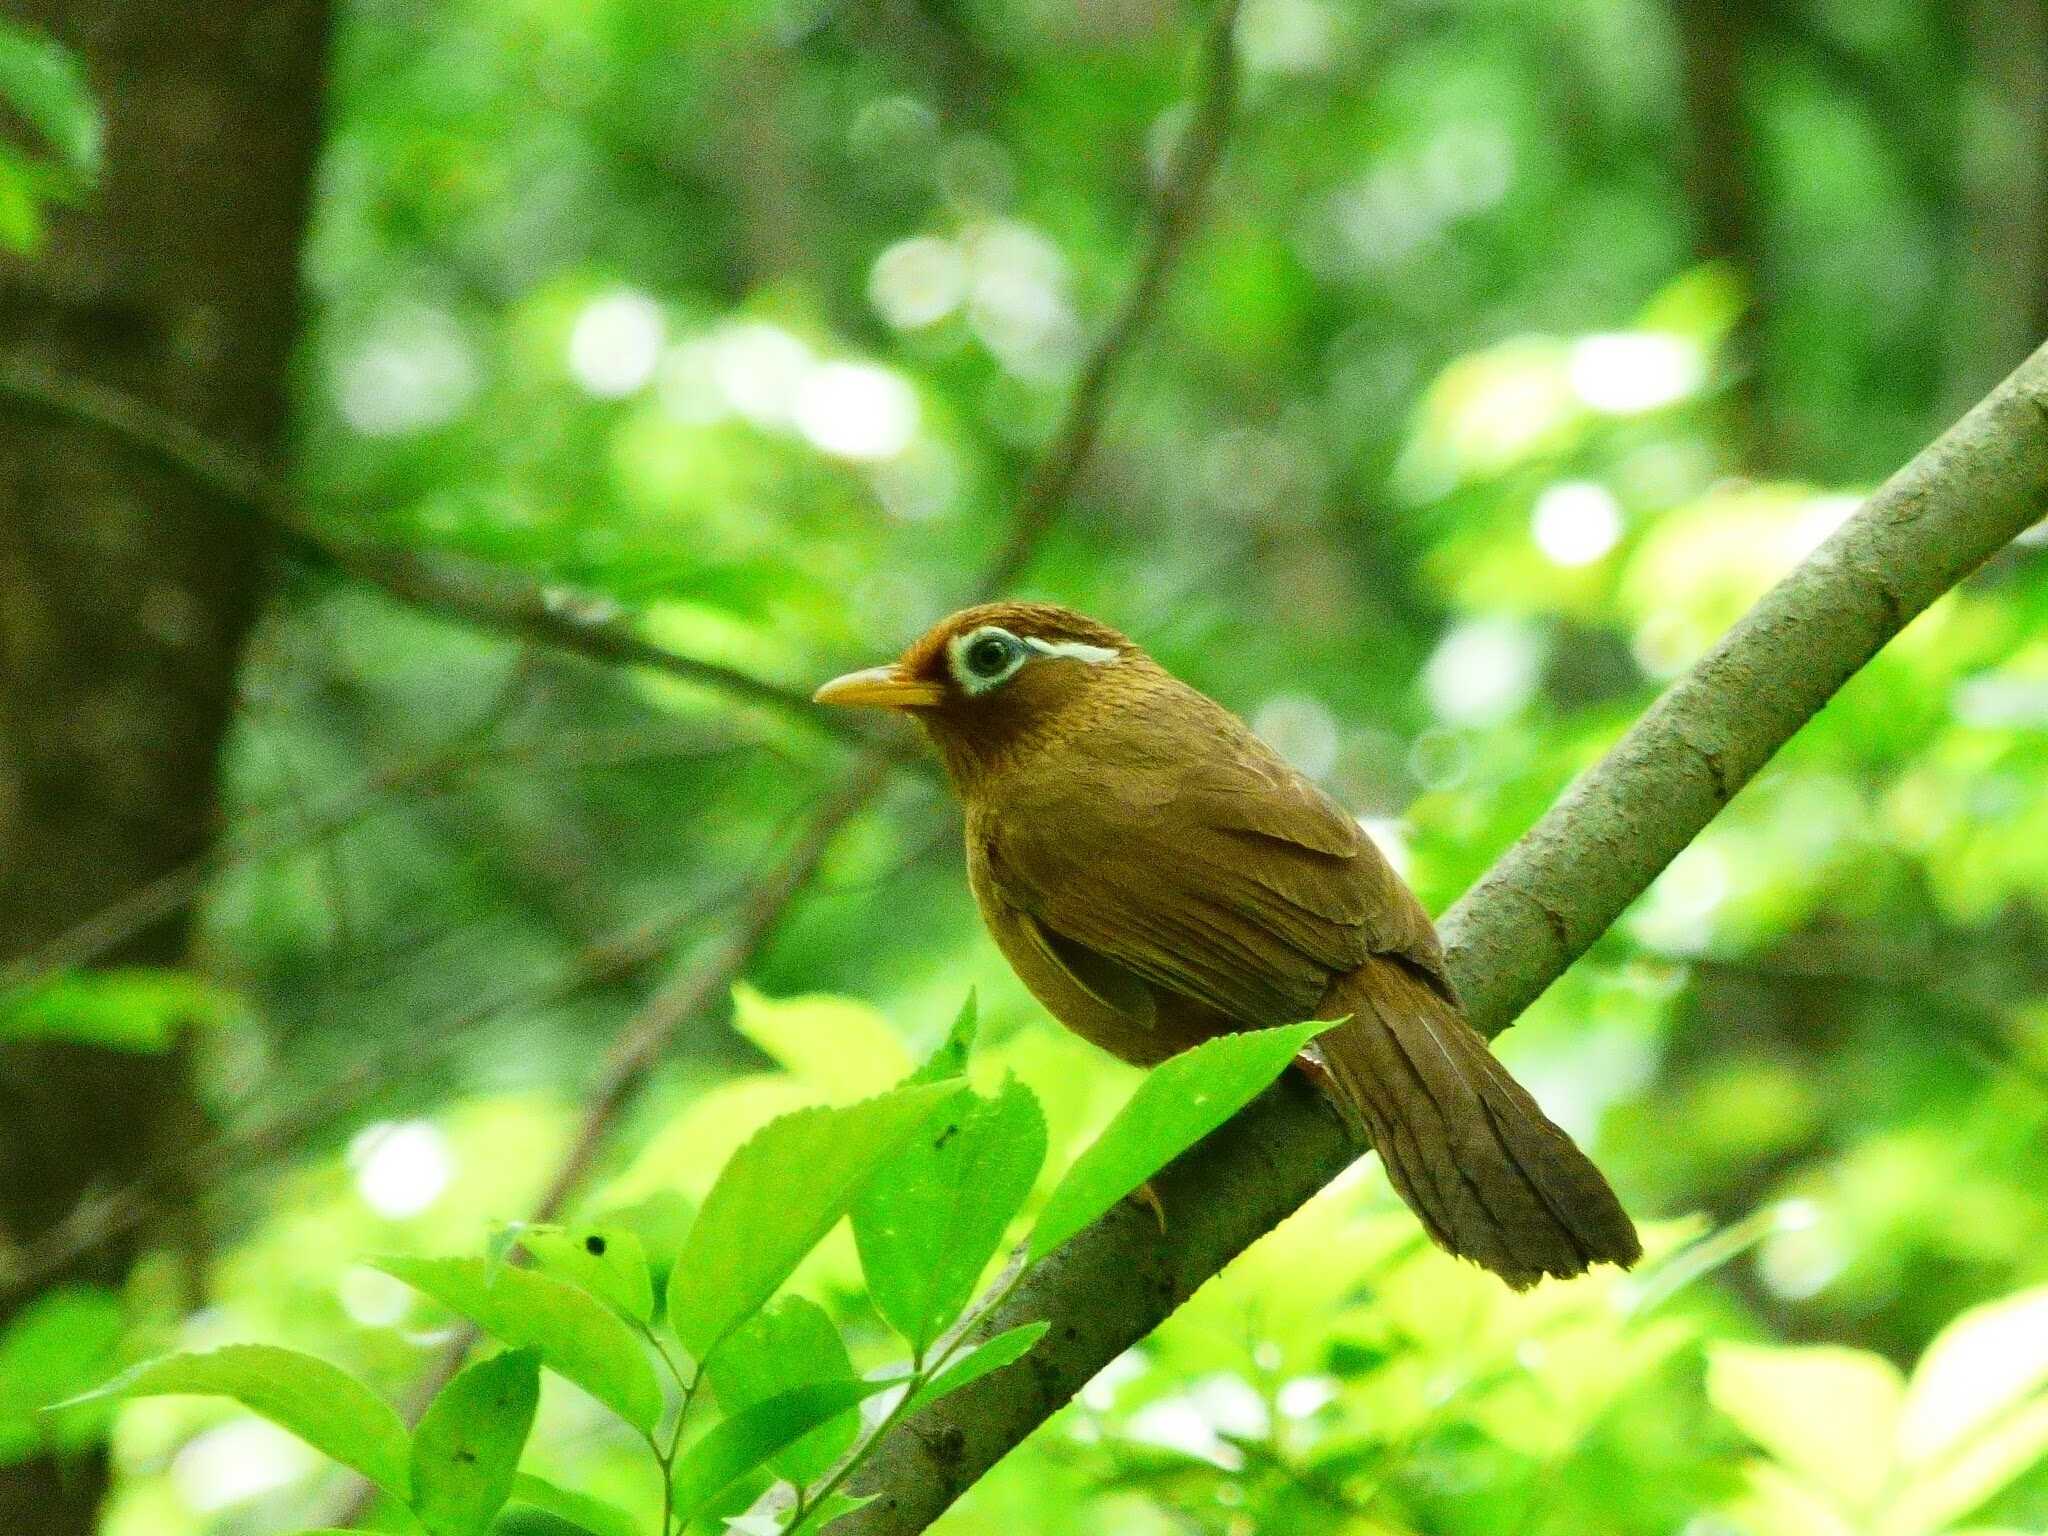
(1181, 198)
(651, 1032)
(476, 592)
(1555, 892)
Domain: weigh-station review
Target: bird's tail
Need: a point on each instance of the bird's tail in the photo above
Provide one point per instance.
(1493, 1179)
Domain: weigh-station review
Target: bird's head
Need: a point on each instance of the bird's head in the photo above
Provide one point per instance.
(988, 676)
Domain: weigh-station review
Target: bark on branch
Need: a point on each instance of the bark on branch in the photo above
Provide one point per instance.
(1555, 892)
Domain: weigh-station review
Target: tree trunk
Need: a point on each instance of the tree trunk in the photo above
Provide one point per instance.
(125, 593)
(1719, 160)
(1999, 310)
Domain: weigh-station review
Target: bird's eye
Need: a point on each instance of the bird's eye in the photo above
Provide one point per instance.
(989, 656)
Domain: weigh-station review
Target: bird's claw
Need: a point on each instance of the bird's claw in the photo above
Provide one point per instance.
(1148, 1197)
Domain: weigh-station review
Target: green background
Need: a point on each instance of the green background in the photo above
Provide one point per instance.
(1477, 408)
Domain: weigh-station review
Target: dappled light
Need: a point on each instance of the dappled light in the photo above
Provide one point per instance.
(484, 1052)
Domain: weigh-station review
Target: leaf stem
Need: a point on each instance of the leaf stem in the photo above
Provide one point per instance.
(666, 1459)
(922, 1374)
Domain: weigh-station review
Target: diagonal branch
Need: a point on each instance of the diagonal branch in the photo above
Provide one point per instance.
(1957, 504)
(639, 1049)
(1182, 196)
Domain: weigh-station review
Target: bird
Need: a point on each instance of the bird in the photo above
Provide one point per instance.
(1157, 875)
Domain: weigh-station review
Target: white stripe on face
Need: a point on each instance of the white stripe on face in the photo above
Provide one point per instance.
(1078, 650)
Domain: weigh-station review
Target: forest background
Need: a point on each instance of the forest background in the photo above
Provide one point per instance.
(440, 446)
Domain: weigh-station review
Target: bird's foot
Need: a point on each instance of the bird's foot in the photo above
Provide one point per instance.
(1148, 1197)
(1313, 1068)
(1317, 1071)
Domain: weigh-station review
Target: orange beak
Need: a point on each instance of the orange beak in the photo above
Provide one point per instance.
(879, 688)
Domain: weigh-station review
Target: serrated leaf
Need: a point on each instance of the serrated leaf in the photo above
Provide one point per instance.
(936, 1213)
(1776, 1503)
(499, 1245)
(950, 1059)
(465, 1451)
(577, 1338)
(1827, 1413)
(1179, 1102)
(607, 1261)
(985, 1359)
(1977, 1467)
(320, 1403)
(740, 1442)
(790, 1343)
(594, 1515)
(776, 1199)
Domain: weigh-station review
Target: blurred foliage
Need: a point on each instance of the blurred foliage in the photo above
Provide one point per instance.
(57, 159)
(1457, 438)
(933, 1175)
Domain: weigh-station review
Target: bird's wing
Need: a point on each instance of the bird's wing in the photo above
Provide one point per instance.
(1221, 874)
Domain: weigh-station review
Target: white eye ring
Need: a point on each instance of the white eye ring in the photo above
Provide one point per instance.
(960, 657)
(1021, 649)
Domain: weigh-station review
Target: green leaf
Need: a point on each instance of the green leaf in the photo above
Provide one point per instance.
(45, 84)
(842, 1048)
(63, 1342)
(1940, 1492)
(130, 1010)
(21, 216)
(320, 1403)
(740, 1442)
(830, 1509)
(1776, 1503)
(1179, 1102)
(577, 1338)
(1827, 1413)
(1982, 1364)
(936, 1213)
(662, 1224)
(985, 1359)
(1976, 1412)
(790, 1343)
(579, 1509)
(466, 1448)
(776, 1199)
(950, 1059)
(607, 1261)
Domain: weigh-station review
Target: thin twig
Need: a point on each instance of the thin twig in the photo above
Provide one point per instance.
(477, 592)
(631, 948)
(647, 1038)
(603, 960)
(282, 833)
(1182, 196)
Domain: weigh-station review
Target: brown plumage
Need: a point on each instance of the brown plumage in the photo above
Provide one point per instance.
(1157, 875)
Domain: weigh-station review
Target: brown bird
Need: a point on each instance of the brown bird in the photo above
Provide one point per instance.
(1156, 875)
